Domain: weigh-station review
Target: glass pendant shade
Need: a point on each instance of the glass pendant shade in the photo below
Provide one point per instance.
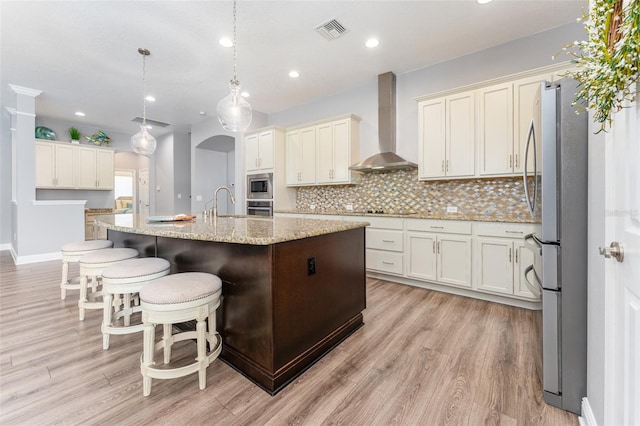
(142, 142)
(234, 112)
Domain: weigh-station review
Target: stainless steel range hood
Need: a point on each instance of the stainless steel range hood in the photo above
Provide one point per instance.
(386, 159)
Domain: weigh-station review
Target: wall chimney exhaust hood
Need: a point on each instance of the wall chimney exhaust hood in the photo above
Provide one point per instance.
(386, 159)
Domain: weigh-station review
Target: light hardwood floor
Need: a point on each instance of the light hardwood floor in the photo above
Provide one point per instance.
(422, 358)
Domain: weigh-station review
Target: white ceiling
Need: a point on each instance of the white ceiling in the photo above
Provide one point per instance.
(83, 54)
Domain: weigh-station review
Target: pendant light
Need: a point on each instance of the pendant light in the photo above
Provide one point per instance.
(142, 142)
(234, 112)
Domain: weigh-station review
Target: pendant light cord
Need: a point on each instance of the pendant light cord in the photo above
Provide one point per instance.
(144, 99)
(235, 53)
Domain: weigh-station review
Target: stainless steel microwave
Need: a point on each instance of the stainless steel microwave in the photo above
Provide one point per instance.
(260, 186)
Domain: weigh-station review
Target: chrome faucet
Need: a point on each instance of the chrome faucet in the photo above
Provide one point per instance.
(214, 212)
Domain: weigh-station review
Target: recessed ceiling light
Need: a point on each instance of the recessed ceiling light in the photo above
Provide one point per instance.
(245, 94)
(226, 42)
(483, 1)
(150, 98)
(294, 74)
(80, 114)
(372, 42)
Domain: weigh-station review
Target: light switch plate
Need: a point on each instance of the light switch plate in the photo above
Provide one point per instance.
(198, 197)
(348, 207)
(452, 209)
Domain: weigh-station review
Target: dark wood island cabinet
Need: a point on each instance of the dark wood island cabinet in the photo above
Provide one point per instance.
(292, 288)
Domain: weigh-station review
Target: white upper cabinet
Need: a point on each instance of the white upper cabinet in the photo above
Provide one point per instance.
(259, 150)
(55, 165)
(301, 156)
(95, 168)
(447, 136)
(321, 153)
(526, 107)
(495, 130)
(66, 166)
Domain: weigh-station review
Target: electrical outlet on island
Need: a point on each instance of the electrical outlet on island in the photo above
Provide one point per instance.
(452, 209)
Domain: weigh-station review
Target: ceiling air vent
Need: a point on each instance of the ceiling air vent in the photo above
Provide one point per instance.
(151, 122)
(331, 29)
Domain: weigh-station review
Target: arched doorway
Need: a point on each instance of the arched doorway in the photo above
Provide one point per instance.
(214, 166)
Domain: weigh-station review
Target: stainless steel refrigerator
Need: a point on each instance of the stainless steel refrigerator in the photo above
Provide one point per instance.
(560, 251)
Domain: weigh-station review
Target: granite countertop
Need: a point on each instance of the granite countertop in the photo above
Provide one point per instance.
(98, 211)
(229, 229)
(515, 218)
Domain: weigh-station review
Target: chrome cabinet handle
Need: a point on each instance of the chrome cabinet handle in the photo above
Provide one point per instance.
(513, 232)
(388, 241)
(516, 253)
(614, 250)
(443, 165)
(509, 255)
(447, 168)
(434, 246)
(436, 227)
(510, 160)
(438, 246)
(387, 263)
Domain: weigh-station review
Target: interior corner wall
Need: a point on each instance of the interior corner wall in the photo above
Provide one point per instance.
(5, 179)
(182, 173)
(164, 187)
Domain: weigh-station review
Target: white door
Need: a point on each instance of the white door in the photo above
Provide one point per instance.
(143, 192)
(432, 139)
(324, 164)
(622, 279)
(460, 133)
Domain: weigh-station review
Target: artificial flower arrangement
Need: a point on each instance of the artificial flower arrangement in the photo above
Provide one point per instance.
(607, 63)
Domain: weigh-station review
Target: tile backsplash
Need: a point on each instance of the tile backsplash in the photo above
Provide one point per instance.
(400, 191)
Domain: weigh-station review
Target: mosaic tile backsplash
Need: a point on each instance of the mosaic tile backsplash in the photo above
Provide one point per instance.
(400, 191)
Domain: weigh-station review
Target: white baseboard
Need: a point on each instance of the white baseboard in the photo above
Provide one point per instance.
(35, 258)
(6, 246)
(587, 419)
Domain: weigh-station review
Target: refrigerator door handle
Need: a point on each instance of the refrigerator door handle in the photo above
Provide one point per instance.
(531, 201)
(536, 290)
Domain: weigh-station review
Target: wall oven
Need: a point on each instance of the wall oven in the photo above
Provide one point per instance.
(260, 186)
(259, 208)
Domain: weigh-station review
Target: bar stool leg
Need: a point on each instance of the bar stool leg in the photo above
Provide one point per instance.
(83, 296)
(106, 318)
(126, 309)
(201, 339)
(65, 278)
(149, 338)
(167, 341)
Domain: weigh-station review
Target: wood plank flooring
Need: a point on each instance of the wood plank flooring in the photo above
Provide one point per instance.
(422, 358)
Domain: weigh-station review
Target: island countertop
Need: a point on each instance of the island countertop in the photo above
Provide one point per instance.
(229, 229)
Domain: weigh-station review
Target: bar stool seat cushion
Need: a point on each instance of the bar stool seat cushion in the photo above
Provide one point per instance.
(136, 268)
(86, 246)
(108, 256)
(180, 288)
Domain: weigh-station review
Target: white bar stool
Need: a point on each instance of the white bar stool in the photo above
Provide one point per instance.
(174, 299)
(91, 265)
(71, 253)
(127, 278)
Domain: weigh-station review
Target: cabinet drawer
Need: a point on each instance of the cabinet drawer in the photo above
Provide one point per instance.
(383, 222)
(384, 261)
(439, 226)
(384, 239)
(509, 230)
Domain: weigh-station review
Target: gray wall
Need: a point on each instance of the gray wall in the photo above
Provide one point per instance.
(172, 170)
(163, 187)
(516, 56)
(5, 179)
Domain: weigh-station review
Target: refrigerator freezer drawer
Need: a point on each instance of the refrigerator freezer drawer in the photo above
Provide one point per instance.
(551, 354)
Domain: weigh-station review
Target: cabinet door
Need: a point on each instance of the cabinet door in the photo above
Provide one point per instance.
(294, 157)
(104, 169)
(251, 152)
(523, 258)
(45, 164)
(65, 167)
(454, 260)
(341, 151)
(495, 130)
(431, 146)
(324, 151)
(308, 156)
(526, 107)
(460, 132)
(265, 150)
(87, 168)
(421, 256)
(494, 265)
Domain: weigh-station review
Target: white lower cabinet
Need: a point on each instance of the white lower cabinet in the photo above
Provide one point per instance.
(384, 245)
(440, 257)
(501, 258)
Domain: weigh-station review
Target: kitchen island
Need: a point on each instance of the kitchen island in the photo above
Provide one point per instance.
(292, 288)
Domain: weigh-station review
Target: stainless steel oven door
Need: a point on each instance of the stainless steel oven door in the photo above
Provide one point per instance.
(259, 208)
